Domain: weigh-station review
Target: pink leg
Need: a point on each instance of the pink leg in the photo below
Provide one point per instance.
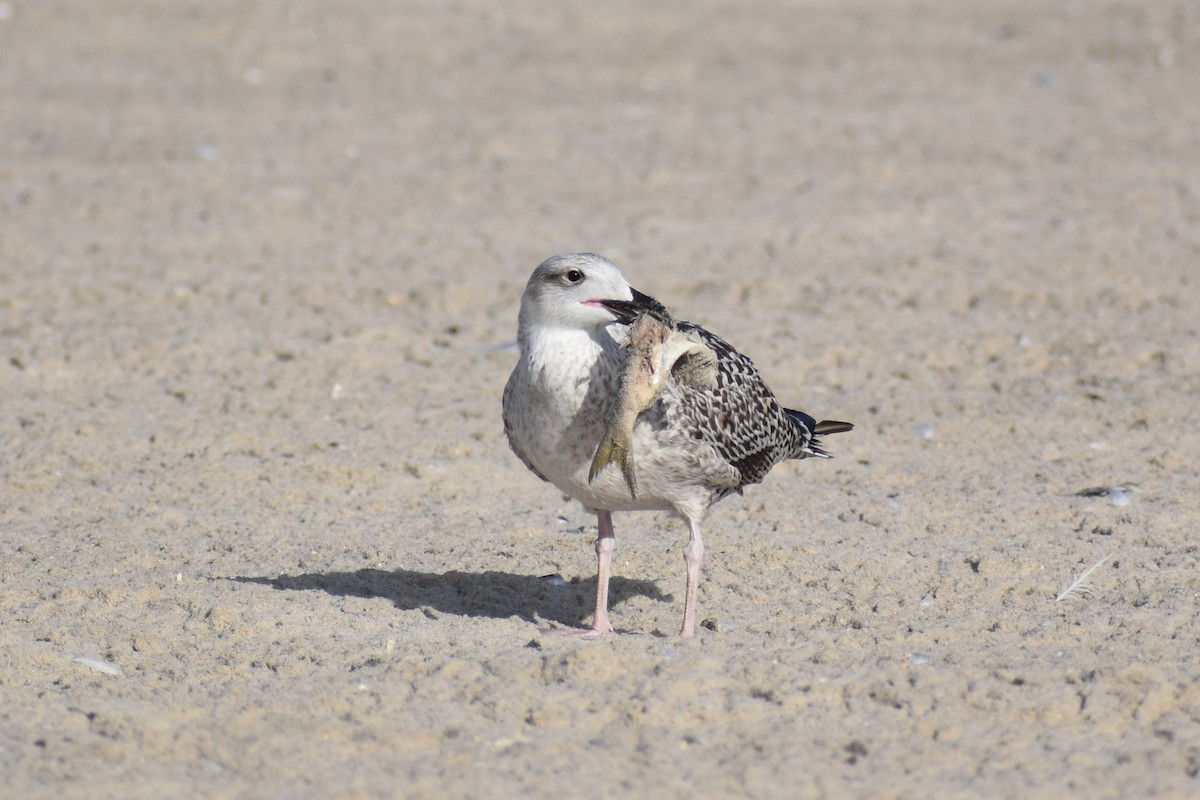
(693, 554)
(605, 544)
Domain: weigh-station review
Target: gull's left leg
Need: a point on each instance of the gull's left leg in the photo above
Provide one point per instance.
(693, 554)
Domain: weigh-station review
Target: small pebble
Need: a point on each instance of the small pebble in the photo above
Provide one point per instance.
(1049, 79)
(505, 742)
(924, 431)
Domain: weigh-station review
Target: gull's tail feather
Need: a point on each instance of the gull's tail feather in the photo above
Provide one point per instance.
(812, 447)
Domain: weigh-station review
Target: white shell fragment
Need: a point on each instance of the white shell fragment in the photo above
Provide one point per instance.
(107, 667)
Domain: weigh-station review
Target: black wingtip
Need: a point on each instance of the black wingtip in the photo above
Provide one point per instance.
(813, 446)
(819, 428)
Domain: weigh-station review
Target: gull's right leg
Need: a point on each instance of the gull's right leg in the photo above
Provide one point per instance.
(605, 544)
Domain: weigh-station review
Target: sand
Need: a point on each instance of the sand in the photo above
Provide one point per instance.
(259, 273)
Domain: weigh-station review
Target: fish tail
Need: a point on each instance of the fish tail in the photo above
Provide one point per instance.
(604, 456)
(608, 451)
(627, 470)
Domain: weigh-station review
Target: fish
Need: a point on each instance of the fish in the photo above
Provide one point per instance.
(657, 350)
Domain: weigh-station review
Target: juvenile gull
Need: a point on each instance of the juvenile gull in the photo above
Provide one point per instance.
(694, 444)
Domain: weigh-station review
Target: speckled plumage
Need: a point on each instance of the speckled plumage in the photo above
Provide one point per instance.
(741, 419)
(693, 445)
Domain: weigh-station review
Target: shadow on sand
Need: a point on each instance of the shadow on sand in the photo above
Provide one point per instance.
(470, 594)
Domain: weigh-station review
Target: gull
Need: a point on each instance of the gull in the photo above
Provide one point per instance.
(697, 442)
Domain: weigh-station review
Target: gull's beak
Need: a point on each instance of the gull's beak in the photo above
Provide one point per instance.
(629, 310)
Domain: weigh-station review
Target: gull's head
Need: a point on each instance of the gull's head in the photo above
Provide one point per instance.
(569, 291)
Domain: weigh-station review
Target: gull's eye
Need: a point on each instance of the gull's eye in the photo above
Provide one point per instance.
(572, 276)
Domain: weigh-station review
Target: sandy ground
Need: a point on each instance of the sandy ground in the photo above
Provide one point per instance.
(259, 273)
